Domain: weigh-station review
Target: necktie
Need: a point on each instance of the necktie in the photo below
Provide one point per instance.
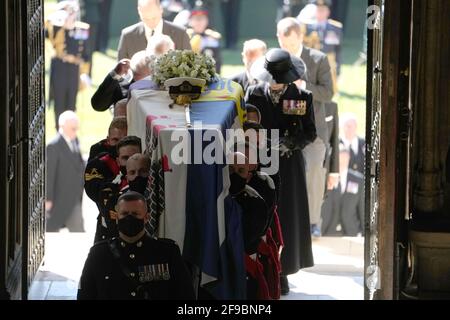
(74, 146)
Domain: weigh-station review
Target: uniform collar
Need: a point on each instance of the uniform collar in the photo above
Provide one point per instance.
(137, 244)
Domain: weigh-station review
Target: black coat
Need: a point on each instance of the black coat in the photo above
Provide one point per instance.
(108, 93)
(332, 119)
(101, 187)
(243, 80)
(293, 210)
(64, 186)
(255, 218)
(100, 148)
(300, 129)
(448, 166)
(103, 276)
(345, 208)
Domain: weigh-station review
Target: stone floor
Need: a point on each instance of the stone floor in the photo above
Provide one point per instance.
(337, 274)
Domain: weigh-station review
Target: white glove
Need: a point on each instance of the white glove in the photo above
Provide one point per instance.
(285, 151)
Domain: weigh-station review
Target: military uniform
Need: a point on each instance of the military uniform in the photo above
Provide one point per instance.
(103, 183)
(269, 246)
(68, 62)
(149, 269)
(327, 37)
(207, 43)
(101, 147)
(255, 218)
(330, 36)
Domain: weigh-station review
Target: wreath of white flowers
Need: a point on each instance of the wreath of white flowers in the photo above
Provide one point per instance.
(183, 63)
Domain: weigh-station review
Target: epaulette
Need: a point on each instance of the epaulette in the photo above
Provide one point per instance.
(335, 23)
(356, 173)
(213, 34)
(82, 25)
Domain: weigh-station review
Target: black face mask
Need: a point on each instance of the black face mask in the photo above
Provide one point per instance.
(111, 151)
(130, 226)
(123, 169)
(139, 184)
(237, 183)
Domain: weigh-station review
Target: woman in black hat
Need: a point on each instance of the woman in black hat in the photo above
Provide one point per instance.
(285, 107)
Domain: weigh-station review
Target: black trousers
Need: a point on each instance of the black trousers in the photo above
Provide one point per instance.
(64, 82)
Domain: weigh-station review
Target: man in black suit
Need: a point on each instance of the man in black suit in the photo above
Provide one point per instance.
(65, 168)
(351, 141)
(135, 38)
(253, 49)
(345, 204)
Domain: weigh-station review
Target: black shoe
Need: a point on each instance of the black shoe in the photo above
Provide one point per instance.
(284, 284)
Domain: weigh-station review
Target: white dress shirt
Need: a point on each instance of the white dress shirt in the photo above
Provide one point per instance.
(69, 142)
(353, 145)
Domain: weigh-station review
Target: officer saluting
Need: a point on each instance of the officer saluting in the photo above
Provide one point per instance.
(204, 40)
(134, 265)
(68, 38)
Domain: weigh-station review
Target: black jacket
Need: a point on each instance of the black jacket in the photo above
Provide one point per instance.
(102, 148)
(300, 130)
(345, 208)
(357, 162)
(148, 269)
(64, 183)
(332, 119)
(255, 218)
(243, 80)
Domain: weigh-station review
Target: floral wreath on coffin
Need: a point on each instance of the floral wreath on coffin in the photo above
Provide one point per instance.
(183, 64)
(184, 73)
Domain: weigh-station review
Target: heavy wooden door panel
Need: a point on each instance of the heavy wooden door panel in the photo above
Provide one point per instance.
(22, 146)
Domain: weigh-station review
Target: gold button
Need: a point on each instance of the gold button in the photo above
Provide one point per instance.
(132, 256)
(123, 244)
(132, 274)
(106, 278)
(139, 244)
(133, 294)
